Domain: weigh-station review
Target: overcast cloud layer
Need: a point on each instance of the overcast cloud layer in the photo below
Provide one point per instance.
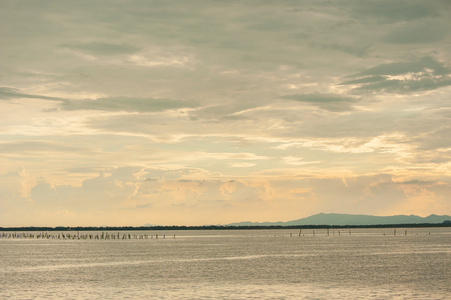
(207, 112)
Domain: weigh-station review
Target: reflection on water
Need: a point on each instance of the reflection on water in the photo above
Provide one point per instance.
(239, 264)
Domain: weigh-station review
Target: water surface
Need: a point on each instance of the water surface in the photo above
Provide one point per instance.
(233, 264)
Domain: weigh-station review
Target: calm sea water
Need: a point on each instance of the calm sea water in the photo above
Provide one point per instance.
(238, 264)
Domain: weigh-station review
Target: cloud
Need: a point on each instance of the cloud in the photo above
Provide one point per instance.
(222, 112)
(181, 196)
(352, 49)
(242, 165)
(127, 188)
(418, 33)
(14, 187)
(377, 194)
(175, 60)
(396, 11)
(421, 74)
(425, 63)
(214, 99)
(297, 161)
(328, 102)
(100, 48)
(105, 192)
(126, 104)
(406, 85)
(12, 93)
(38, 147)
(394, 143)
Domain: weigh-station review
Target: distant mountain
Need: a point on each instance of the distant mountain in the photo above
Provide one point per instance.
(347, 219)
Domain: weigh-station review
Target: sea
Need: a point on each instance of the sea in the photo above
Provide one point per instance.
(357, 263)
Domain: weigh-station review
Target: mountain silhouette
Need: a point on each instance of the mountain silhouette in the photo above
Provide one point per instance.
(349, 219)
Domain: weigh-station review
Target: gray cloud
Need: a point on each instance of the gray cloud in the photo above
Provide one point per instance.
(417, 33)
(99, 48)
(328, 102)
(400, 86)
(222, 112)
(420, 74)
(12, 93)
(413, 66)
(396, 11)
(360, 86)
(363, 80)
(352, 49)
(126, 104)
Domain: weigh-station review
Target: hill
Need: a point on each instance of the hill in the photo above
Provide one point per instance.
(349, 219)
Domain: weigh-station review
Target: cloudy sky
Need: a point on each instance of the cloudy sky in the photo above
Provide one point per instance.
(212, 112)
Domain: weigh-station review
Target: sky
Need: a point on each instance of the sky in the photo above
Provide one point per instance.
(126, 113)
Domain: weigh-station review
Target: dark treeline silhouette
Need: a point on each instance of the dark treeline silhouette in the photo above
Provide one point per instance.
(220, 227)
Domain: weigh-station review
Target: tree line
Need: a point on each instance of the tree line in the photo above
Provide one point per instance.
(218, 227)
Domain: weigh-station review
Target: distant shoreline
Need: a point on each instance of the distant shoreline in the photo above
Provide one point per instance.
(220, 227)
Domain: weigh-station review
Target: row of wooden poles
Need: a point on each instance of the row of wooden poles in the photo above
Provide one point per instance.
(345, 232)
(127, 236)
(78, 236)
(327, 232)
